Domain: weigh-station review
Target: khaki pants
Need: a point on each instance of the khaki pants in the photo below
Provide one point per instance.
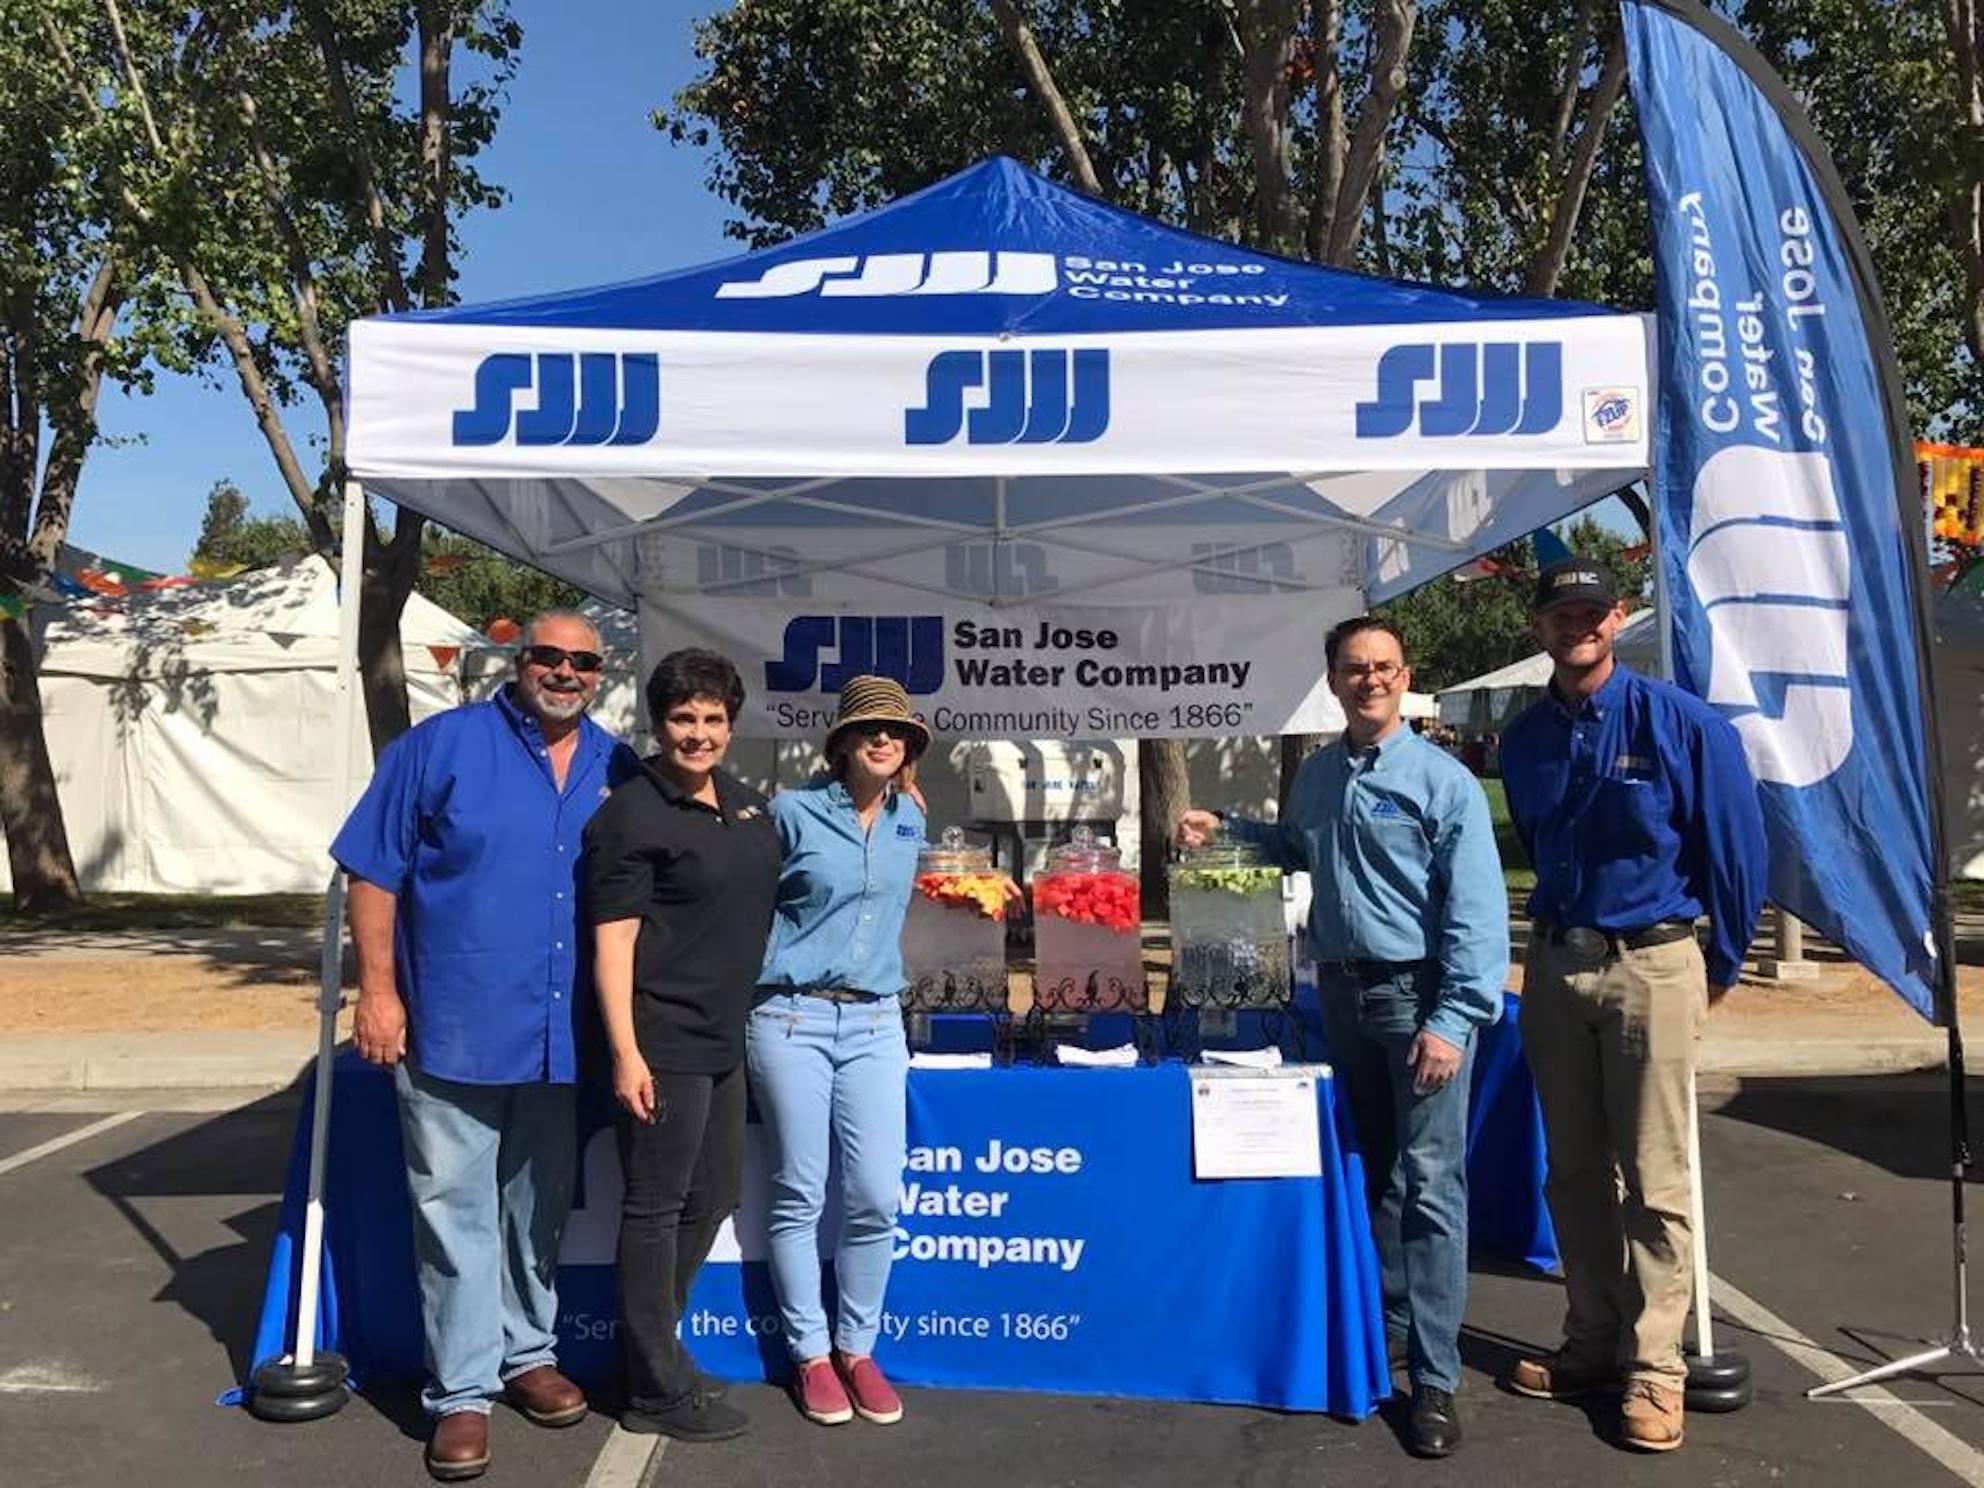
(1612, 1047)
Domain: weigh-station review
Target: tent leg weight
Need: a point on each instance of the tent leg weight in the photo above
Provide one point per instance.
(1718, 1383)
(282, 1390)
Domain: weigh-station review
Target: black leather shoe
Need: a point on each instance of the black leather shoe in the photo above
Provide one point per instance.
(1432, 1428)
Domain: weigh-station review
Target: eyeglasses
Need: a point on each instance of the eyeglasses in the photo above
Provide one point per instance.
(1377, 671)
(553, 657)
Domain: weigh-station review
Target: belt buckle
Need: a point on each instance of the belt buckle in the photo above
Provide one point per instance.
(1587, 944)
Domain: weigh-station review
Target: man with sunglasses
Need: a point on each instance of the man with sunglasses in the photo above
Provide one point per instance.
(1409, 923)
(462, 858)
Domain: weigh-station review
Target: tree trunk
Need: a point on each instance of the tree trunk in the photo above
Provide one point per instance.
(1295, 748)
(390, 571)
(1164, 791)
(30, 813)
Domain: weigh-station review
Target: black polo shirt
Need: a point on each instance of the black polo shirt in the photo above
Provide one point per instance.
(702, 882)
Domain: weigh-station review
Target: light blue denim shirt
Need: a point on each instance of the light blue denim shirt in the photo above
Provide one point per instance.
(842, 893)
(1403, 867)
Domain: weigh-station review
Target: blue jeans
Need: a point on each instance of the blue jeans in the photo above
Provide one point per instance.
(830, 1075)
(1415, 1159)
(490, 1171)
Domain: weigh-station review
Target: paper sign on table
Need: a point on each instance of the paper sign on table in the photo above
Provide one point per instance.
(1255, 1124)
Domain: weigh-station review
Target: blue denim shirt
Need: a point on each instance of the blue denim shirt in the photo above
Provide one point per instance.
(842, 893)
(464, 823)
(1639, 807)
(1401, 853)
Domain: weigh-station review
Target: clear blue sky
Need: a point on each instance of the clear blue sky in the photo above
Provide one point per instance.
(596, 194)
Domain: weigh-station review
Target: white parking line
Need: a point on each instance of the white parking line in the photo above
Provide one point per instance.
(624, 1460)
(67, 1139)
(1905, 1420)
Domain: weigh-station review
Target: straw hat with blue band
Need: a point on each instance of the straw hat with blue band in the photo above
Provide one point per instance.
(878, 700)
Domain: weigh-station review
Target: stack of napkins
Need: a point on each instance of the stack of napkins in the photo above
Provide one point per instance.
(1268, 1058)
(1121, 1055)
(926, 1060)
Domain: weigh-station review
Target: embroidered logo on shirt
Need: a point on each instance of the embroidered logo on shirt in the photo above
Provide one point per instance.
(1386, 808)
(750, 812)
(905, 830)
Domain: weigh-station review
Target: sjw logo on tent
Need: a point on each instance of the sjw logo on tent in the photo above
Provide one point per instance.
(830, 649)
(594, 397)
(885, 275)
(1496, 387)
(1030, 397)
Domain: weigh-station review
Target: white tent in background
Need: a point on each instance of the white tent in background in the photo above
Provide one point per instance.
(1490, 700)
(190, 727)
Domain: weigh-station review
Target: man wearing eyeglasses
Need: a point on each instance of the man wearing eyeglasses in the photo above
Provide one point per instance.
(1410, 927)
(462, 858)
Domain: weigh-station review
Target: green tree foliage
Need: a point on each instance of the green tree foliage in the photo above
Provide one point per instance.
(230, 536)
(293, 165)
(478, 584)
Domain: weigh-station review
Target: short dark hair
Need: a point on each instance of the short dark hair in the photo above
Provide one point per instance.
(692, 673)
(1357, 625)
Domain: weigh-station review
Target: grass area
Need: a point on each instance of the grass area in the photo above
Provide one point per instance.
(1516, 872)
(173, 912)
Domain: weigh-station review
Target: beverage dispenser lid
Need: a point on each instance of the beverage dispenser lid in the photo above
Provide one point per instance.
(950, 853)
(1081, 853)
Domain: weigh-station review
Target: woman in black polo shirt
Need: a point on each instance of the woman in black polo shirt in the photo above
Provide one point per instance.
(681, 873)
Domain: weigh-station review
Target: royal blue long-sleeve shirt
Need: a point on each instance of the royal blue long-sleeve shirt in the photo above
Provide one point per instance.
(1401, 856)
(1638, 806)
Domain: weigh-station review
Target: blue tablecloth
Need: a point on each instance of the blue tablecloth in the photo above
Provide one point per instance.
(1114, 1272)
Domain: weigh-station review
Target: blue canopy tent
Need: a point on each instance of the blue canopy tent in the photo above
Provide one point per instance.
(1038, 457)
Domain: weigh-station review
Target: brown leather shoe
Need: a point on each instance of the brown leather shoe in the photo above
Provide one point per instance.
(1559, 1377)
(546, 1397)
(1650, 1416)
(459, 1447)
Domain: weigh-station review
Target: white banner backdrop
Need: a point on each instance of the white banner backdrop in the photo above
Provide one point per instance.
(1231, 665)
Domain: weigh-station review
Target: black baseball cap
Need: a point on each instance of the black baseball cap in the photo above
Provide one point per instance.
(1573, 581)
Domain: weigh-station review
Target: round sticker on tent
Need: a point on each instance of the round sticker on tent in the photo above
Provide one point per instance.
(1611, 415)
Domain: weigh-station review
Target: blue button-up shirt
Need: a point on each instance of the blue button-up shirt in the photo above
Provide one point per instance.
(1638, 806)
(464, 823)
(1401, 855)
(843, 892)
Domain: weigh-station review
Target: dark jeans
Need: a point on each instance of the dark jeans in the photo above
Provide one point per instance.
(683, 1174)
(1415, 1160)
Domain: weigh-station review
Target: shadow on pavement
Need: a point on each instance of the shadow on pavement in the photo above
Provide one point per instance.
(1899, 1123)
(240, 1153)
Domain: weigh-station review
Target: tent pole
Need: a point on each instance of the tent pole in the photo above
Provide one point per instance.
(1713, 1383)
(303, 1386)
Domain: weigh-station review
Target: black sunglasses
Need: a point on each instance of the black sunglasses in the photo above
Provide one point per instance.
(553, 657)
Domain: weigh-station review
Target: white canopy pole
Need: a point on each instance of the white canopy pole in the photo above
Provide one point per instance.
(351, 572)
(1663, 620)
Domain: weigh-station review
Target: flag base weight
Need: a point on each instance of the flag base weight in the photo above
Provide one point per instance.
(1718, 1383)
(283, 1390)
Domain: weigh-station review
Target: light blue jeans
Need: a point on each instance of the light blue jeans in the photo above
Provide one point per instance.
(830, 1075)
(490, 1171)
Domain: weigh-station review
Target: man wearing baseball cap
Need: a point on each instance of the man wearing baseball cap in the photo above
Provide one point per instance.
(1637, 808)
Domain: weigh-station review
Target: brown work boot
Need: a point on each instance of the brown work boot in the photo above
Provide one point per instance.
(546, 1397)
(1650, 1416)
(1557, 1376)
(459, 1447)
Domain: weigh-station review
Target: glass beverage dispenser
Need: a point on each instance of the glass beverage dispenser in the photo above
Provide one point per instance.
(954, 939)
(1229, 940)
(1087, 931)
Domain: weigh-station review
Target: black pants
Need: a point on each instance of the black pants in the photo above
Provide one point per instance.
(683, 1173)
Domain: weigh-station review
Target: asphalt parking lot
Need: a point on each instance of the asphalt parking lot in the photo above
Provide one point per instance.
(131, 1263)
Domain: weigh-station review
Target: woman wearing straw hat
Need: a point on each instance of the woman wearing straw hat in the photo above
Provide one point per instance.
(825, 1043)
